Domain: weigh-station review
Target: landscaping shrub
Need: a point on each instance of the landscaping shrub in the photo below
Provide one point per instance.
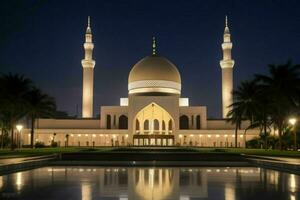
(39, 145)
(54, 144)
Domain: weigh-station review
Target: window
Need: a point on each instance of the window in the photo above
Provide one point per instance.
(156, 124)
(198, 122)
(184, 122)
(170, 125)
(123, 122)
(108, 121)
(146, 126)
(163, 127)
(137, 126)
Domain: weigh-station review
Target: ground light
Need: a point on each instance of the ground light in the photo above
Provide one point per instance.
(293, 122)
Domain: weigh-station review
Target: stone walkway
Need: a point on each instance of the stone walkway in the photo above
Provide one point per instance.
(8, 165)
(291, 161)
(290, 165)
(18, 160)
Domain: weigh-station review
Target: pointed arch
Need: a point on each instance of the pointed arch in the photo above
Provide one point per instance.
(153, 118)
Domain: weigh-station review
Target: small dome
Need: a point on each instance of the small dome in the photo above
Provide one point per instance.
(154, 74)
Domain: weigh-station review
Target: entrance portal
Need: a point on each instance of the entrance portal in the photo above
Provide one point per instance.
(153, 127)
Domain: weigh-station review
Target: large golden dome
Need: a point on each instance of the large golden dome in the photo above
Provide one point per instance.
(154, 74)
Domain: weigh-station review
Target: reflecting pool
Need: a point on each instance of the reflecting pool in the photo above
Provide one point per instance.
(149, 183)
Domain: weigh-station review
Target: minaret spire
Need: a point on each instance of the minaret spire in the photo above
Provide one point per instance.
(227, 64)
(153, 46)
(88, 65)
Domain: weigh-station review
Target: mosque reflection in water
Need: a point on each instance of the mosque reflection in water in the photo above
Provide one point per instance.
(88, 183)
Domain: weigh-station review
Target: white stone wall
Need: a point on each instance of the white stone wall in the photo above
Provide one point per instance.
(215, 124)
(115, 112)
(67, 123)
(86, 137)
(191, 112)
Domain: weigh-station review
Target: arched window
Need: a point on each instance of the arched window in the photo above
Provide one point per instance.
(170, 125)
(123, 122)
(198, 123)
(163, 125)
(108, 121)
(156, 124)
(146, 124)
(137, 125)
(184, 122)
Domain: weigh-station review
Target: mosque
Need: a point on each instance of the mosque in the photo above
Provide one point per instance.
(153, 114)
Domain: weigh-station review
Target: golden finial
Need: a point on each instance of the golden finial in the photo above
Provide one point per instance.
(89, 21)
(153, 46)
(88, 28)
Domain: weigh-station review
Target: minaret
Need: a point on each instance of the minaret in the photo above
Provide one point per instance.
(88, 65)
(227, 76)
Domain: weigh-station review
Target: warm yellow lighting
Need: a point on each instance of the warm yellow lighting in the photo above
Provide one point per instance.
(200, 135)
(79, 135)
(292, 121)
(72, 135)
(241, 136)
(180, 136)
(101, 135)
(209, 136)
(233, 136)
(292, 183)
(86, 135)
(19, 181)
(217, 135)
(19, 127)
(192, 135)
(225, 135)
(94, 135)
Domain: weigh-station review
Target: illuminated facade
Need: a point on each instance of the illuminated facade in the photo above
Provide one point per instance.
(153, 114)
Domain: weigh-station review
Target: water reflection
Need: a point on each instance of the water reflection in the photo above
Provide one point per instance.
(87, 183)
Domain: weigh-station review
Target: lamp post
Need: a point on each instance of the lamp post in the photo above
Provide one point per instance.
(293, 122)
(19, 128)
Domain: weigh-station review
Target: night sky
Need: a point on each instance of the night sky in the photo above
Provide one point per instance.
(43, 40)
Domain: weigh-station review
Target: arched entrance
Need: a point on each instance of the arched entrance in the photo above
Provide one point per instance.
(153, 127)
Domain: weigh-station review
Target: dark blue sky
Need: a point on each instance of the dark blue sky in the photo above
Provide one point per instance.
(44, 41)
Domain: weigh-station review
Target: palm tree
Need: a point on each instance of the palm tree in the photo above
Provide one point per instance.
(245, 105)
(38, 105)
(13, 89)
(282, 87)
(235, 117)
(262, 117)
